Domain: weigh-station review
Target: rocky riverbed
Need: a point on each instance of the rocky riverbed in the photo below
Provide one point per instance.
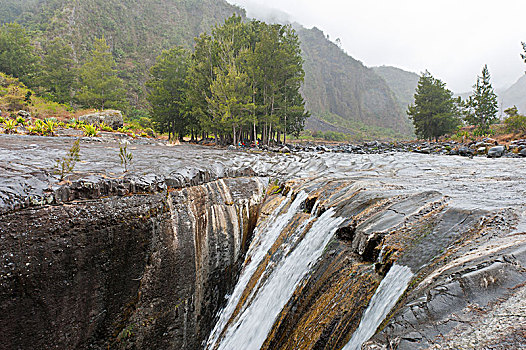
(185, 214)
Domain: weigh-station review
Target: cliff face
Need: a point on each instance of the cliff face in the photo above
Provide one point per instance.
(425, 251)
(142, 271)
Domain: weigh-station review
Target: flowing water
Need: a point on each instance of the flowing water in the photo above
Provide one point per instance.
(390, 289)
(289, 265)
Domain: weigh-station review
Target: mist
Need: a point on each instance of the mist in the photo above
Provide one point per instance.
(451, 39)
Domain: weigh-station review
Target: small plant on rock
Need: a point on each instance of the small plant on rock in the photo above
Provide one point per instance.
(125, 156)
(90, 130)
(49, 127)
(10, 126)
(66, 164)
(20, 120)
(105, 127)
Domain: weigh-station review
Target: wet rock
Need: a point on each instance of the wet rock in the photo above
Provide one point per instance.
(465, 152)
(496, 152)
(113, 118)
(346, 233)
(152, 269)
(284, 149)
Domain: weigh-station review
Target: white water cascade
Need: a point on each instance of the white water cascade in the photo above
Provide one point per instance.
(293, 260)
(390, 289)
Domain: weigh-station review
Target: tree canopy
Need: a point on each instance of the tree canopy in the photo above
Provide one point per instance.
(101, 87)
(482, 106)
(434, 112)
(242, 83)
(167, 92)
(17, 55)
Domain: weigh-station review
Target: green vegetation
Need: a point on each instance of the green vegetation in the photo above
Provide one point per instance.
(234, 86)
(481, 107)
(101, 87)
(434, 112)
(17, 55)
(66, 164)
(9, 126)
(90, 130)
(138, 31)
(515, 122)
(125, 156)
(167, 92)
(58, 78)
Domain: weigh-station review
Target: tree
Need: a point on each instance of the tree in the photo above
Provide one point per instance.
(167, 91)
(260, 68)
(17, 57)
(434, 112)
(523, 55)
(101, 87)
(58, 76)
(230, 101)
(482, 106)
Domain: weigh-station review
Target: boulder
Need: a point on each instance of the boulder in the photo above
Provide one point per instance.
(496, 152)
(465, 152)
(24, 114)
(111, 117)
(523, 152)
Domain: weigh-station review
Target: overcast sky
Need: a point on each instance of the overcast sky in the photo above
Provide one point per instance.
(452, 39)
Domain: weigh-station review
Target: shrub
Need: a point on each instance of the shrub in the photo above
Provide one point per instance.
(516, 123)
(10, 126)
(20, 120)
(105, 127)
(90, 130)
(49, 126)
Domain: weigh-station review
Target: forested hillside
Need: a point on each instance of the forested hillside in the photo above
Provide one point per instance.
(342, 94)
(136, 30)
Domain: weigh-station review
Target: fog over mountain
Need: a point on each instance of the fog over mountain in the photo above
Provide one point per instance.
(451, 39)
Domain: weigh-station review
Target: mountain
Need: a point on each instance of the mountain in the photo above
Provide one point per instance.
(401, 82)
(515, 95)
(136, 30)
(342, 94)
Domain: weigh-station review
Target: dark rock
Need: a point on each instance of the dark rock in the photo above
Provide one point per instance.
(523, 152)
(496, 152)
(346, 233)
(465, 152)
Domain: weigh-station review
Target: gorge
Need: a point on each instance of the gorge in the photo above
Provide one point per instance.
(205, 248)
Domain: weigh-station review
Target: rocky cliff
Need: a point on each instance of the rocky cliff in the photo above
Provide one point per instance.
(403, 251)
(136, 262)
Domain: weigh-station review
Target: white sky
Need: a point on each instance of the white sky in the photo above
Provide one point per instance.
(452, 39)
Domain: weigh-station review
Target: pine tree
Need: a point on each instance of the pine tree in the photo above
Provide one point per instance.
(434, 110)
(101, 87)
(482, 106)
(17, 56)
(167, 90)
(58, 76)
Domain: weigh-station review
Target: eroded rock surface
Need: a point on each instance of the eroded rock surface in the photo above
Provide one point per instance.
(145, 259)
(141, 271)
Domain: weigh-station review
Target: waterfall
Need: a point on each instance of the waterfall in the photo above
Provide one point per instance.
(249, 328)
(390, 289)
